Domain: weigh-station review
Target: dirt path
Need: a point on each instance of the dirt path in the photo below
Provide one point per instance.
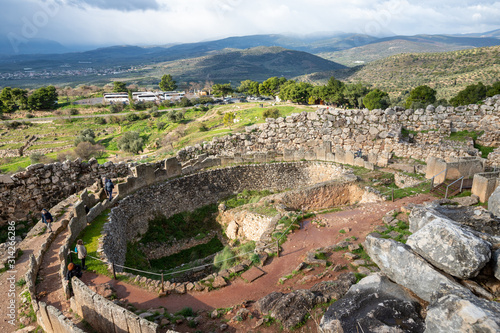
(360, 220)
(49, 290)
(28, 246)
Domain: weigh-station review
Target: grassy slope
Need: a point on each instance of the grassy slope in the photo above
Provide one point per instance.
(171, 137)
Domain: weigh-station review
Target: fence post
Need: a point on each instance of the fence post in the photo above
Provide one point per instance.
(432, 183)
(392, 195)
(278, 246)
(162, 290)
(114, 272)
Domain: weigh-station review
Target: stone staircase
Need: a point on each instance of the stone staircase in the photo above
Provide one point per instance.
(455, 187)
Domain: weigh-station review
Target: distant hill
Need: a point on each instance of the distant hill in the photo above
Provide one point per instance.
(29, 46)
(257, 63)
(447, 72)
(385, 47)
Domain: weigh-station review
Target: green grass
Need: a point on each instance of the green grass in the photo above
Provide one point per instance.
(182, 225)
(245, 197)
(463, 135)
(90, 236)
(402, 228)
(231, 256)
(196, 252)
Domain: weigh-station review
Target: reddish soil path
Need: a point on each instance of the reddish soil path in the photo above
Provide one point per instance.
(49, 289)
(29, 246)
(360, 220)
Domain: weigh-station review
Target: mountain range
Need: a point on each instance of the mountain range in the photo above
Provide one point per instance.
(233, 58)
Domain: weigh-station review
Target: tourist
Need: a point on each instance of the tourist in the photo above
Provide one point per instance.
(82, 252)
(47, 219)
(73, 270)
(109, 188)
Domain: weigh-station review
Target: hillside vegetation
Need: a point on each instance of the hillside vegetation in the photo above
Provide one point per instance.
(447, 72)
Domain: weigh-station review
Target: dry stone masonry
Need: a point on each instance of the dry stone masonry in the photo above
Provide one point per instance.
(378, 133)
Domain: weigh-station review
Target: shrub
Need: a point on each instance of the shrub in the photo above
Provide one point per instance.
(68, 155)
(115, 108)
(144, 116)
(73, 112)
(87, 135)
(271, 113)
(86, 150)
(99, 120)
(203, 128)
(36, 157)
(229, 118)
(130, 142)
(30, 115)
(115, 120)
(132, 117)
(160, 125)
(175, 116)
(155, 114)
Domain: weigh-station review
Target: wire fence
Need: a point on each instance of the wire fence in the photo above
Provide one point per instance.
(162, 275)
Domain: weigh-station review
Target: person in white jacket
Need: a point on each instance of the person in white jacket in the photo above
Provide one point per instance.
(82, 252)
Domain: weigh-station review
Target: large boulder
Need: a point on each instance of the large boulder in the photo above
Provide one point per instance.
(494, 202)
(452, 310)
(290, 309)
(405, 267)
(496, 263)
(375, 304)
(421, 215)
(451, 248)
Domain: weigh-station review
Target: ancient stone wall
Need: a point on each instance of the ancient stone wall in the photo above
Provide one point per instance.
(375, 132)
(44, 185)
(104, 315)
(484, 184)
(129, 220)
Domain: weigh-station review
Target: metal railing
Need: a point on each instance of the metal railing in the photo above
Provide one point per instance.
(447, 187)
(432, 179)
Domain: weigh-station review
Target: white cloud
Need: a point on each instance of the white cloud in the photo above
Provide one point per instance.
(166, 21)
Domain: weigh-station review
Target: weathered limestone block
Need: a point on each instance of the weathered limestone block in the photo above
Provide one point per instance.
(496, 263)
(494, 202)
(451, 248)
(376, 305)
(405, 267)
(456, 311)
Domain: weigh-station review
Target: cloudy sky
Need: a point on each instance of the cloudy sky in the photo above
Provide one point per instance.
(143, 22)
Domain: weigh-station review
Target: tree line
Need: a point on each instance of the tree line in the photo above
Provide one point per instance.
(12, 99)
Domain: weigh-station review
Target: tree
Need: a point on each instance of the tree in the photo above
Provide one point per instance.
(296, 92)
(421, 96)
(376, 99)
(14, 99)
(130, 142)
(271, 87)
(175, 116)
(87, 135)
(222, 90)
(249, 88)
(471, 94)
(353, 94)
(229, 118)
(44, 98)
(119, 86)
(494, 89)
(333, 92)
(167, 83)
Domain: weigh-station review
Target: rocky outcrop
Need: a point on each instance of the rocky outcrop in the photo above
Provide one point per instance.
(450, 248)
(405, 267)
(374, 305)
(494, 202)
(291, 309)
(452, 310)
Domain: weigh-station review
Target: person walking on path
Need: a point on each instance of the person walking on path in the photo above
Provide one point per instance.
(47, 219)
(82, 252)
(109, 188)
(73, 270)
